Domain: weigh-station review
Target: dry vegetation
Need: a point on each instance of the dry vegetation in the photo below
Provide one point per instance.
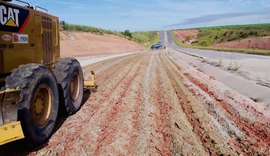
(143, 38)
(239, 38)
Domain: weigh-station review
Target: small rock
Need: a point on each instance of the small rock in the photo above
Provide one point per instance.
(213, 77)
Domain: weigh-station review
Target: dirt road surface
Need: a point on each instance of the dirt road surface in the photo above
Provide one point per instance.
(153, 103)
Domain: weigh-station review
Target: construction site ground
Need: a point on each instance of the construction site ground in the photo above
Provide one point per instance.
(156, 103)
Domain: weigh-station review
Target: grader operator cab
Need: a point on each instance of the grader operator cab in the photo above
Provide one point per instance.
(34, 82)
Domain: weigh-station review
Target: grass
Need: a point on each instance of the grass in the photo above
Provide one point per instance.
(213, 35)
(74, 27)
(234, 66)
(145, 38)
(237, 50)
(245, 26)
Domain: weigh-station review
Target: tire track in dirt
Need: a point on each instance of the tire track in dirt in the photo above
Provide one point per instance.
(97, 107)
(135, 117)
(107, 107)
(168, 125)
(227, 129)
(105, 138)
(227, 115)
(150, 146)
(215, 114)
(152, 104)
(118, 116)
(146, 141)
(183, 139)
(110, 81)
(163, 125)
(153, 135)
(111, 67)
(256, 134)
(195, 113)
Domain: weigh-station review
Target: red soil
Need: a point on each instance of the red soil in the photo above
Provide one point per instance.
(184, 35)
(85, 44)
(152, 103)
(254, 43)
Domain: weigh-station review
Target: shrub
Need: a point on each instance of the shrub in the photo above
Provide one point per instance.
(128, 34)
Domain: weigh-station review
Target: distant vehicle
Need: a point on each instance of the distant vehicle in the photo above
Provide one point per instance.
(156, 46)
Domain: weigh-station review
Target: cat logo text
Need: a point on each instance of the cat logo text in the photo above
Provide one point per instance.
(9, 16)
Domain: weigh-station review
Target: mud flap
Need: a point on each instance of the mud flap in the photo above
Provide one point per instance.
(10, 105)
(10, 132)
(10, 129)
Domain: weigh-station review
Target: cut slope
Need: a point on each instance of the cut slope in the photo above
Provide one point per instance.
(186, 35)
(86, 44)
(254, 43)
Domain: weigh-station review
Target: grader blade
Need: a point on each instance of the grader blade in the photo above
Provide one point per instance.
(91, 84)
(10, 132)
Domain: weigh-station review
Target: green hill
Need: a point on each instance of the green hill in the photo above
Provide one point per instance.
(214, 35)
(209, 36)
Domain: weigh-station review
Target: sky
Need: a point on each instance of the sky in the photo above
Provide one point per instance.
(145, 15)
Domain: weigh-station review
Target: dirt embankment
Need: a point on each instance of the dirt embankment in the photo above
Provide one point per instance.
(155, 103)
(252, 43)
(191, 36)
(186, 36)
(86, 44)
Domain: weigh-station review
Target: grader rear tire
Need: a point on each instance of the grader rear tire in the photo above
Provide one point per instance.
(69, 77)
(39, 101)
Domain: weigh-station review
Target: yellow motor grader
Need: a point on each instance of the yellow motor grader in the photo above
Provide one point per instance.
(35, 83)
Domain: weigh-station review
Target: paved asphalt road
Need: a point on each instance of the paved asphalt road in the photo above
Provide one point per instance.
(251, 79)
(208, 53)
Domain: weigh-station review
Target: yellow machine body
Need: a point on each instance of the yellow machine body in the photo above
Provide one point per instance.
(91, 83)
(10, 132)
(26, 36)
